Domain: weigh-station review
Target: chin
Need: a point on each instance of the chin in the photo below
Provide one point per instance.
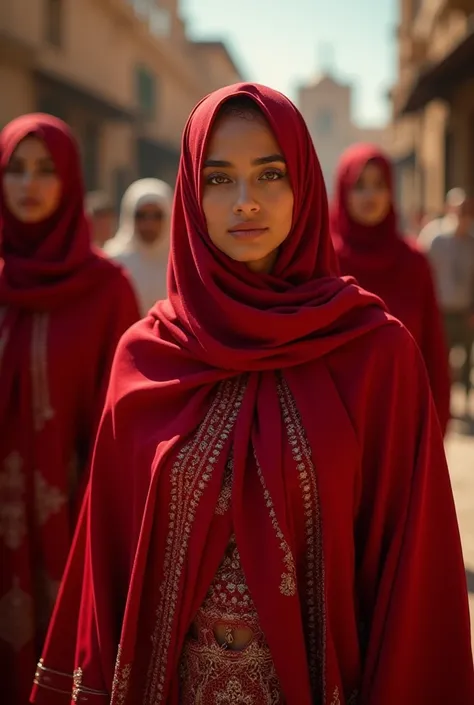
(247, 257)
(30, 218)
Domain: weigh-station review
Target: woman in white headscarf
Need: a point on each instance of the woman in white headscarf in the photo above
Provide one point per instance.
(141, 244)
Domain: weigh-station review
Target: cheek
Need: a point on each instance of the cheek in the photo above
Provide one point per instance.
(217, 207)
(11, 190)
(384, 200)
(279, 203)
(355, 202)
(49, 191)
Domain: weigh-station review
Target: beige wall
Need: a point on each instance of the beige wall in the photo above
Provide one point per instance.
(117, 152)
(427, 38)
(16, 87)
(326, 95)
(431, 151)
(102, 45)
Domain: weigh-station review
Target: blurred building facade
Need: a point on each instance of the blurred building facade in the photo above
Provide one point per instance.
(122, 73)
(432, 134)
(326, 105)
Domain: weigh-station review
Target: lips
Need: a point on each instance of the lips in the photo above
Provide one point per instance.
(29, 202)
(247, 230)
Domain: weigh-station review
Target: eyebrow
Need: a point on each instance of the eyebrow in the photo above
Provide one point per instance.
(256, 162)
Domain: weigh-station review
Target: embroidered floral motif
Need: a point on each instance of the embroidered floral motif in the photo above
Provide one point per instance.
(121, 680)
(49, 500)
(233, 694)
(76, 683)
(288, 578)
(207, 666)
(16, 617)
(353, 698)
(315, 618)
(190, 476)
(336, 700)
(12, 504)
(80, 693)
(225, 497)
(211, 674)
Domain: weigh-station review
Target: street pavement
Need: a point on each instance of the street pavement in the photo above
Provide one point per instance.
(460, 453)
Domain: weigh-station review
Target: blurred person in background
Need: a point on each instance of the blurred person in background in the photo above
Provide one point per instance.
(446, 223)
(451, 253)
(102, 218)
(269, 518)
(63, 309)
(371, 248)
(141, 244)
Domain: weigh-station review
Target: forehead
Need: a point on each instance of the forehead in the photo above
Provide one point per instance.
(241, 134)
(147, 204)
(373, 169)
(31, 146)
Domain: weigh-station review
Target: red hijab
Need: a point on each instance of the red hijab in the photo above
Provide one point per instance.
(392, 267)
(47, 263)
(234, 319)
(368, 246)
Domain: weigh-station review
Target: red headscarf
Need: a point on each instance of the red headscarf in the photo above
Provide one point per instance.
(226, 315)
(392, 267)
(371, 246)
(47, 263)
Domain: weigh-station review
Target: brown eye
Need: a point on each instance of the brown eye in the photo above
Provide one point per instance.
(47, 167)
(14, 167)
(217, 180)
(272, 175)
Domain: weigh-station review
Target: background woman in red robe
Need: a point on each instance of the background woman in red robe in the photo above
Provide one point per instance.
(371, 248)
(63, 309)
(269, 518)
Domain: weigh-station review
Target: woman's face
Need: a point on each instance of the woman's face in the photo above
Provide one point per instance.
(369, 200)
(247, 196)
(31, 185)
(149, 222)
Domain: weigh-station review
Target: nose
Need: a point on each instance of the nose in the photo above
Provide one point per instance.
(27, 178)
(245, 202)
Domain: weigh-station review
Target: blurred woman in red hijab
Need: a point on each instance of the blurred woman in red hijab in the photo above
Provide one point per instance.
(269, 518)
(63, 308)
(371, 248)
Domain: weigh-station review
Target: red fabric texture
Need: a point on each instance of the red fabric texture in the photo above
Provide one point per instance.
(339, 476)
(63, 309)
(394, 268)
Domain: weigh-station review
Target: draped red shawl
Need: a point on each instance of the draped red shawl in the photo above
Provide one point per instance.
(287, 370)
(392, 267)
(62, 310)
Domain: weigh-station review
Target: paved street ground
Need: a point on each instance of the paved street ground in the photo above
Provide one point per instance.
(460, 451)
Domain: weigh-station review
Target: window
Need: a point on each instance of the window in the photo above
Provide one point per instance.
(54, 21)
(324, 122)
(146, 93)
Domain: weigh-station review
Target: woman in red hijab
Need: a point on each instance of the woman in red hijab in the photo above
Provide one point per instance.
(269, 518)
(63, 309)
(371, 249)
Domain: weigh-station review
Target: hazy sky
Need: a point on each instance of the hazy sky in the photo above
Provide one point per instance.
(284, 42)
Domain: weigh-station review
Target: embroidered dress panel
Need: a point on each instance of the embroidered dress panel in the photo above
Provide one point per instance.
(215, 673)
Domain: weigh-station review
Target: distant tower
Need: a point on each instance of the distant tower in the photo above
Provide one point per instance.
(326, 58)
